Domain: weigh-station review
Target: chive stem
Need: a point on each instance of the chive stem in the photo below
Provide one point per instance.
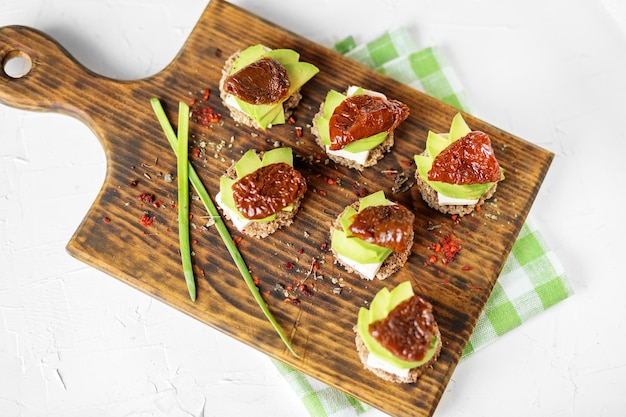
(182, 168)
(219, 223)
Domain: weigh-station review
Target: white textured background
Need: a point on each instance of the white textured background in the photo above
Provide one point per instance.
(75, 342)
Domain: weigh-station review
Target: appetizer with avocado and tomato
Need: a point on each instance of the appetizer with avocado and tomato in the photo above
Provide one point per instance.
(398, 338)
(373, 237)
(261, 86)
(458, 170)
(259, 195)
(356, 129)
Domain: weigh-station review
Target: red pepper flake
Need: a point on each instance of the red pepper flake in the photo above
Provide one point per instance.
(322, 192)
(466, 268)
(291, 120)
(432, 259)
(256, 281)
(196, 153)
(299, 131)
(359, 191)
(314, 265)
(323, 246)
(146, 220)
(289, 266)
(331, 181)
(146, 198)
(477, 208)
(300, 251)
(133, 183)
(305, 291)
(106, 220)
(293, 301)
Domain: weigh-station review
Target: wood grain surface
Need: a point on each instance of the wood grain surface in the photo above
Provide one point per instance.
(319, 322)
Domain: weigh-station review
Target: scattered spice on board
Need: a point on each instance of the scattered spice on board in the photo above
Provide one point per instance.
(446, 247)
(291, 292)
(359, 190)
(445, 250)
(201, 112)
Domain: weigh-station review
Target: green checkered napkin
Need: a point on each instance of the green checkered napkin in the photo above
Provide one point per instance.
(532, 278)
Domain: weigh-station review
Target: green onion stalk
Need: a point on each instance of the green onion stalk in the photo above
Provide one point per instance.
(174, 141)
(182, 168)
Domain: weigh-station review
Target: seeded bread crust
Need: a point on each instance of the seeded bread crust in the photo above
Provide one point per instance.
(263, 229)
(429, 195)
(374, 156)
(392, 263)
(240, 117)
(414, 373)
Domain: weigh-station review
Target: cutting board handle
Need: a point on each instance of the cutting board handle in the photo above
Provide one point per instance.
(55, 81)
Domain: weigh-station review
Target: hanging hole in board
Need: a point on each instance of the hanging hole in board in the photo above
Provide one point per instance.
(16, 64)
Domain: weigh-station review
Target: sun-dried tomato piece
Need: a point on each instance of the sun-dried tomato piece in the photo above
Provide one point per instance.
(262, 82)
(362, 116)
(267, 190)
(389, 226)
(468, 160)
(407, 331)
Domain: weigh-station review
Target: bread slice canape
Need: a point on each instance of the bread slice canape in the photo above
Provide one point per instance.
(356, 129)
(458, 170)
(373, 237)
(261, 195)
(261, 86)
(398, 338)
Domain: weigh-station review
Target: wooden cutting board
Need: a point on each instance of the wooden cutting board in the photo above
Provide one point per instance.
(116, 238)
